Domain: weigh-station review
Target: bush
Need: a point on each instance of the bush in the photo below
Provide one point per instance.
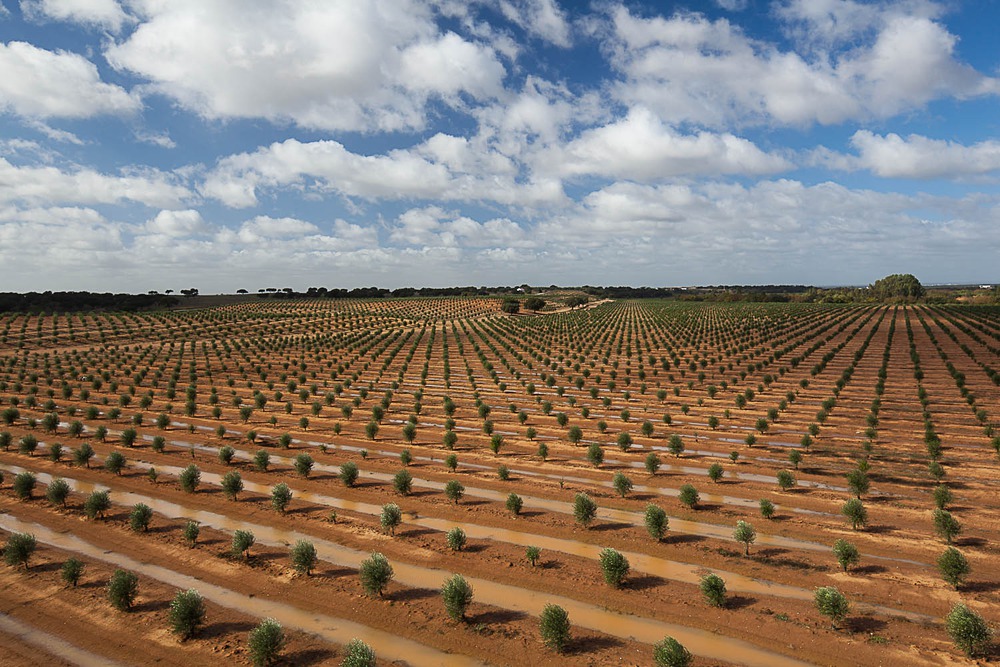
(27, 445)
(532, 554)
(688, 495)
(83, 454)
(715, 472)
(514, 503)
(232, 484)
(122, 589)
(281, 495)
(621, 483)
(713, 588)
(358, 654)
(187, 613)
(968, 630)
(942, 496)
(766, 508)
(265, 642)
(855, 512)
(455, 538)
(402, 481)
(349, 473)
(595, 454)
(19, 548)
(670, 653)
(242, 541)
(23, 484)
(226, 454)
(391, 517)
(114, 463)
(614, 566)
(375, 573)
(96, 504)
(71, 571)
(189, 478)
(457, 595)
(785, 480)
(554, 627)
(454, 490)
(55, 452)
(745, 534)
(57, 492)
(304, 557)
(946, 525)
(847, 554)
(953, 566)
(831, 603)
(139, 518)
(303, 464)
(191, 530)
(261, 460)
(584, 509)
(652, 463)
(656, 522)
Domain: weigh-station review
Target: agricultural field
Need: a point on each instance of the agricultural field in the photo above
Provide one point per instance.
(604, 461)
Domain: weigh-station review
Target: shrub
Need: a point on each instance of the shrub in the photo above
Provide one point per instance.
(953, 566)
(402, 481)
(715, 472)
(191, 530)
(454, 490)
(942, 496)
(766, 508)
(584, 509)
(349, 473)
(968, 630)
(232, 484)
(847, 554)
(946, 525)
(652, 463)
(554, 627)
(503, 472)
(670, 653)
(855, 512)
(242, 541)
(857, 482)
(375, 573)
(139, 518)
(831, 603)
(187, 613)
(281, 495)
(265, 642)
(55, 452)
(624, 441)
(451, 462)
(621, 483)
(23, 485)
(514, 503)
(745, 534)
(455, 538)
(303, 464)
(189, 478)
(785, 480)
(27, 445)
(656, 522)
(713, 589)
(122, 589)
(614, 566)
(688, 495)
(115, 463)
(358, 654)
(304, 557)
(675, 445)
(19, 548)
(261, 460)
(83, 454)
(595, 454)
(96, 504)
(532, 554)
(57, 492)
(457, 595)
(391, 517)
(71, 571)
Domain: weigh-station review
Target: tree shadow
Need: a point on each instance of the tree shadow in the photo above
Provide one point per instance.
(971, 542)
(737, 602)
(531, 513)
(584, 645)
(643, 582)
(476, 503)
(602, 527)
(981, 586)
(879, 529)
(683, 538)
(406, 594)
(866, 624)
(152, 605)
(213, 630)
(867, 569)
(416, 532)
(496, 616)
(312, 656)
(474, 548)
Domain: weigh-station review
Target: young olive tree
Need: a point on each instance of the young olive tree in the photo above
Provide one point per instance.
(457, 596)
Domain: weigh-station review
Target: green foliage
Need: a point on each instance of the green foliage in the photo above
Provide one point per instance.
(676, 445)
(242, 541)
(688, 495)
(122, 589)
(652, 463)
(391, 517)
(503, 472)
(232, 484)
(614, 566)
(349, 473)
(514, 503)
(857, 482)
(968, 630)
(554, 627)
(303, 464)
(624, 441)
(57, 492)
(942, 496)
(656, 521)
(96, 504)
(953, 566)
(261, 460)
(375, 573)
(897, 287)
(139, 518)
(304, 557)
(83, 454)
(831, 603)
(454, 490)
(281, 495)
(403, 482)
(766, 508)
(855, 512)
(187, 613)
(785, 480)
(71, 571)
(595, 454)
(19, 548)
(358, 654)
(114, 463)
(455, 538)
(670, 653)
(191, 531)
(190, 478)
(745, 534)
(457, 595)
(713, 589)
(621, 483)
(532, 554)
(715, 472)
(584, 509)
(946, 525)
(265, 642)
(846, 553)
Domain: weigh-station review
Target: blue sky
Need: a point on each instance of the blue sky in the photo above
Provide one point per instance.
(226, 144)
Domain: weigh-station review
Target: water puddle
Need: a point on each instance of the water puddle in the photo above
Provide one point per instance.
(53, 645)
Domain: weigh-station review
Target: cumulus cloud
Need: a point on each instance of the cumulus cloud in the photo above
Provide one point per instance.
(916, 156)
(100, 13)
(541, 18)
(177, 223)
(336, 65)
(433, 226)
(57, 84)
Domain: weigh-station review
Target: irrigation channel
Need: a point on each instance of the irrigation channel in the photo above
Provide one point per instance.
(50, 644)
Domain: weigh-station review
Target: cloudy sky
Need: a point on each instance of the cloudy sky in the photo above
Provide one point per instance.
(225, 144)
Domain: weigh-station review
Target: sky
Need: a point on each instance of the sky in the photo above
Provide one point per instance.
(246, 144)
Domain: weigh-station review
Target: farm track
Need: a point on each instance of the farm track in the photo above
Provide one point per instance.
(327, 368)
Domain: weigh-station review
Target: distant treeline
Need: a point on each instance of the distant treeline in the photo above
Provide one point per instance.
(41, 302)
(707, 293)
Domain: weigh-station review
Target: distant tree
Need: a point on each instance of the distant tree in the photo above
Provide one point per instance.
(595, 454)
(349, 473)
(688, 495)
(766, 508)
(510, 306)
(514, 503)
(534, 303)
(856, 513)
(745, 534)
(652, 463)
(403, 482)
(454, 490)
(953, 566)
(621, 483)
(656, 522)
(846, 553)
(946, 525)
(715, 472)
(584, 509)
(232, 484)
(897, 287)
(785, 480)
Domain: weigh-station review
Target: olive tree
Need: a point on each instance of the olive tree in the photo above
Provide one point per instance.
(953, 566)
(265, 642)
(187, 613)
(375, 573)
(831, 603)
(457, 595)
(745, 534)
(554, 627)
(846, 553)
(713, 589)
(358, 654)
(670, 653)
(968, 630)
(122, 589)
(19, 548)
(584, 509)
(304, 557)
(656, 522)
(391, 517)
(614, 566)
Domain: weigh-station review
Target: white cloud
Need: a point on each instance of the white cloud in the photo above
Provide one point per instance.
(915, 156)
(161, 139)
(50, 185)
(433, 226)
(101, 13)
(641, 147)
(335, 65)
(48, 84)
(542, 18)
(177, 224)
(691, 69)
